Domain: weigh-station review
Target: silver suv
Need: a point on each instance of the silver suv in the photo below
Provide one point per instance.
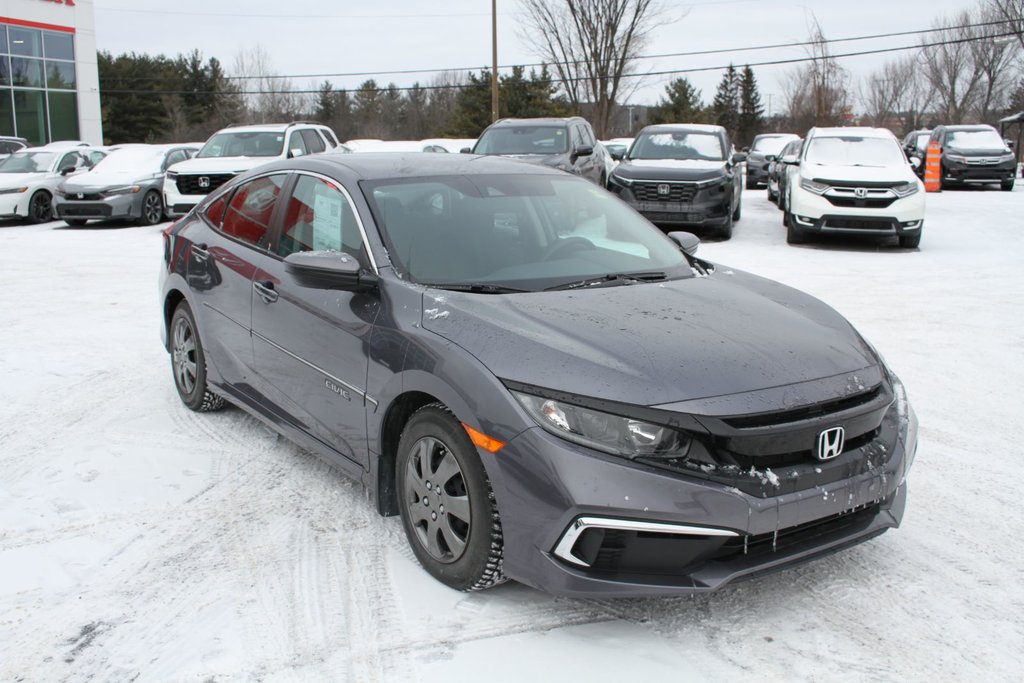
(235, 150)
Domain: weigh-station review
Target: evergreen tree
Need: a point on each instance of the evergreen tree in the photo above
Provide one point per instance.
(726, 106)
(682, 104)
(751, 114)
(326, 103)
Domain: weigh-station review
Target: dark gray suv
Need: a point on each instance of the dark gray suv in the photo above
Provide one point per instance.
(543, 385)
(567, 144)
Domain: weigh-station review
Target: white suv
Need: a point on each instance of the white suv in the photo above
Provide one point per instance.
(853, 181)
(238, 149)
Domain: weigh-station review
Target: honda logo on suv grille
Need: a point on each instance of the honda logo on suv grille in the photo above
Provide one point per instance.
(830, 443)
(663, 189)
(860, 193)
(204, 181)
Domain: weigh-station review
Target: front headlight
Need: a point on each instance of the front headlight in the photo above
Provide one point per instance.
(171, 175)
(813, 186)
(714, 182)
(619, 180)
(127, 189)
(615, 434)
(1009, 156)
(14, 190)
(907, 423)
(905, 190)
(957, 158)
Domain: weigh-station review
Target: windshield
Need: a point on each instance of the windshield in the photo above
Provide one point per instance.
(689, 145)
(523, 140)
(523, 231)
(28, 162)
(976, 139)
(261, 144)
(852, 150)
(143, 161)
(771, 145)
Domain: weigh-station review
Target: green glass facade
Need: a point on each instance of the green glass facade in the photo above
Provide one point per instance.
(38, 99)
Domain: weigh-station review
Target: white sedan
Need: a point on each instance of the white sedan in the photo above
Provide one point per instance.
(28, 179)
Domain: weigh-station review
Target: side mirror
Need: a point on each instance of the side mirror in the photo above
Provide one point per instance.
(739, 157)
(790, 160)
(687, 241)
(67, 170)
(583, 151)
(329, 270)
(770, 158)
(618, 156)
(295, 152)
(915, 162)
(466, 150)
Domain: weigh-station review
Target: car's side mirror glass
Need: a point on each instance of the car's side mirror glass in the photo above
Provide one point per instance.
(328, 270)
(687, 241)
(739, 157)
(915, 162)
(617, 155)
(295, 152)
(583, 151)
(770, 157)
(466, 150)
(67, 170)
(790, 159)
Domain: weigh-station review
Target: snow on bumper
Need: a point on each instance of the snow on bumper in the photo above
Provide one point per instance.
(14, 204)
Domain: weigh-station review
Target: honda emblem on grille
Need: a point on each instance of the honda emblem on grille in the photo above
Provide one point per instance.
(663, 189)
(80, 196)
(860, 192)
(204, 181)
(830, 443)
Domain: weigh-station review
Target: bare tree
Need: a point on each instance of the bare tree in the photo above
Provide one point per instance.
(592, 46)
(994, 58)
(896, 96)
(1012, 12)
(271, 98)
(817, 93)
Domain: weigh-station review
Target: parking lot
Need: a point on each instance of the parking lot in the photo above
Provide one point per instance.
(140, 541)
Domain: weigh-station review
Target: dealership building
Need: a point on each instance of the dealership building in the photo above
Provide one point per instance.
(49, 81)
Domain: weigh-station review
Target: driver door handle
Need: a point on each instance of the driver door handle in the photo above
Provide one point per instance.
(266, 291)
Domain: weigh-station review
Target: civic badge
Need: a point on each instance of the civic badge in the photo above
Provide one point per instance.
(860, 192)
(663, 189)
(204, 181)
(830, 443)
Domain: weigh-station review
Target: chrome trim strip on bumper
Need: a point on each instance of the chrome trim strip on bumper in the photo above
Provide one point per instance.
(355, 390)
(564, 548)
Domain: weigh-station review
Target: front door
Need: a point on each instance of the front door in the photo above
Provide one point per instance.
(311, 345)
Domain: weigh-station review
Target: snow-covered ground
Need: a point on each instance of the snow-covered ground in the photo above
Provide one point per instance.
(139, 541)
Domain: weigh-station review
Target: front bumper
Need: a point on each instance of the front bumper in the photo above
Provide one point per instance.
(977, 172)
(14, 204)
(816, 214)
(119, 206)
(596, 525)
(704, 207)
(757, 171)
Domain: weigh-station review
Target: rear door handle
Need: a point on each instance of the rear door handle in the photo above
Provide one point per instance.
(200, 251)
(266, 291)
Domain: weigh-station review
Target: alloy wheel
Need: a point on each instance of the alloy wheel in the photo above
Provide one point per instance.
(183, 355)
(437, 500)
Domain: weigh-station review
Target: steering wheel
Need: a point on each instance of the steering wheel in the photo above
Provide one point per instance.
(566, 244)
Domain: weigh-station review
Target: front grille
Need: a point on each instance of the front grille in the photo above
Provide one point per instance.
(669, 217)
(677, 192)
(872, 184)
(805, 413)
(842, 223)
(190, 184)
(854, 203)
(84, 196)
(83, 211)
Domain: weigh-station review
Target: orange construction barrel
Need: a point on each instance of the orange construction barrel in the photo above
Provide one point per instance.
(933, 168)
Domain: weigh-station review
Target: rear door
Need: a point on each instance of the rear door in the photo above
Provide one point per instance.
(311, 345)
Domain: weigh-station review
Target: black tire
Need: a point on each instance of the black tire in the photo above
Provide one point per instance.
(751, 184)
(794, 235)
(152, 209)
(911, 241)
(1006, 185)
(772, 197)
(188, 363)
(725, 232)
(465, 554)
(739, 210)
(40, 207)
(75, 222)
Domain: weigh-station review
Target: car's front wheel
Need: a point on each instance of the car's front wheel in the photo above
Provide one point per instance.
(152, 209)
(1006, 185)
(40, 207)
(447, 507)
(188, 363)
(910, 241)
(75, 222)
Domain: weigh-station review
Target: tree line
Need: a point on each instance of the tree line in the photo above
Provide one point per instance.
(968, 69)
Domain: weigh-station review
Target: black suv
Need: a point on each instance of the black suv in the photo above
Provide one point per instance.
(974, 154)
(567, 144)
(682, 174)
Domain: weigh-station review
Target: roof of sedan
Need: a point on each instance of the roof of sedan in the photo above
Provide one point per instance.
(379, 165)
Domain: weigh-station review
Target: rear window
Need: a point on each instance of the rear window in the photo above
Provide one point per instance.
(524, 140)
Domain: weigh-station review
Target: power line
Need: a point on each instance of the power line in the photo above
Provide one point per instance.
(695, 53)
(672, 72)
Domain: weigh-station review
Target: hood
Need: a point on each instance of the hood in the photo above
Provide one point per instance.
(655, 343)
(220, 164)
(101, 180)
(978, 152)
(866, 174)
(17, 179)
(670, 169)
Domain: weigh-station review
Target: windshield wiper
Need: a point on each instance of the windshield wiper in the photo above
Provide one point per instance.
(609, 279)
(476, 287)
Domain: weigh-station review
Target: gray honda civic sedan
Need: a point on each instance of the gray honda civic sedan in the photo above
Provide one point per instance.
(541, 383)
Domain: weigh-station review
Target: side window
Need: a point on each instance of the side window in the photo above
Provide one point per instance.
(174, 157)
(588, 136)
(215, 210)
(295, 143)
(248, 214)
(319, 218)
(577, 137)
(329, 136)
(314, 143)
(72, 159)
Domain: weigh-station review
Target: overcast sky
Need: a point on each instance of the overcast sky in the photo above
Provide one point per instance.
(303, 37)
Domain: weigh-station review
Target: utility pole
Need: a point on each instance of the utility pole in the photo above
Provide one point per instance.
(494, 60)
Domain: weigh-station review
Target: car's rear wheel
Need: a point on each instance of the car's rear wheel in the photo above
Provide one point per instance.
(738, 212)
(751, 183)
(152, 209)
(910, 241)
(40, 207)
(772, 197)
(447, 506)
(75, 222)
(188, 363)
(1006, 185)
